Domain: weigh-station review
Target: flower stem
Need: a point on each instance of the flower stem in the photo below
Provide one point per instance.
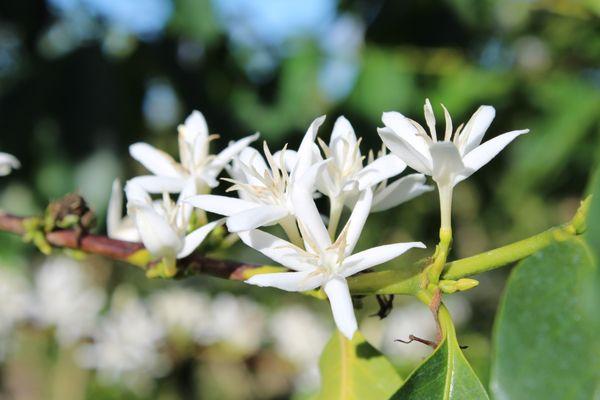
(506, 254)
(445, 193)
(335, 212)
(441, 255)
(291, 230)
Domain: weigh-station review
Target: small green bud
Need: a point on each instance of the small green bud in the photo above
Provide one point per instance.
(579, 220)
(450, 286)
(466, 284)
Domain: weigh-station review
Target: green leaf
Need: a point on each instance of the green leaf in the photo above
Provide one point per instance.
(355, 370)
(545, 345)
(446, 374)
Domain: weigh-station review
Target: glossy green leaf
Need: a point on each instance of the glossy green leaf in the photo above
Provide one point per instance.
(445, 374)
(545, 344)
(354, 370)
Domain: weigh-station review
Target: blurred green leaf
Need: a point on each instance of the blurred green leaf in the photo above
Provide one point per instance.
(385, 83)
(355, 370)
(545, 345)
(446, 374)
(297, 102)
(195, 19)
(569, 108)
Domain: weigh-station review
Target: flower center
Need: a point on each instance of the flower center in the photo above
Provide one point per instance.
(269, 186)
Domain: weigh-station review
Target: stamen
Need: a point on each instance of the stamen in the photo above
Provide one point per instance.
(420, 130)
(448, 133)
(430, 119)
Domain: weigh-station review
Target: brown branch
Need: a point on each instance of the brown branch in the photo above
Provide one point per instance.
(121, 251)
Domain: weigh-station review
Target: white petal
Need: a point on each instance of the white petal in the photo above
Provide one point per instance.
(379, 170)
(229, 152)
(447, 162)
(8, 162)
(473, 132)
(195, 126)
(195, 238)
(157, 234)
(190, 189)
(304, 206)
(341, 306)
(278, 250)
(252, 159)
(255, 218)
(400, 191)
(290, 157)
(406, 152)
(289, 281)
(126, 231)
(115, 209)
(159, 184)
(156, 161)
(357, 219)
(404, 128)
(377, 255)
(483, 154)
(136, 194)
(305, 151)
(221, 205)
(342, 129)
(343, 139)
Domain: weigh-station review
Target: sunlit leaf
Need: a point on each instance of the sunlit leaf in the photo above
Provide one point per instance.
(354, 370)
(446, 374)
(545, 344)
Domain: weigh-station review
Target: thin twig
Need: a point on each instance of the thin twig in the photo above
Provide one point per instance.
(122, 251)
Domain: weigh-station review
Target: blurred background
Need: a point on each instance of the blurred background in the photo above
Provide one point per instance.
(80, 80)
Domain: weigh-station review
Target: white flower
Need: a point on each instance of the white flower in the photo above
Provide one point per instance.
(17, 299)
(163, 225)
(67, 299)
(346, 173)
(345, 176)
(448, 161)
(118, 227)
(15, 306)
(8, 162)
(184, 312)
(321, 262)
(198, 169)
(126, 345)
(299, 336)
(264, 188)
(238, 322)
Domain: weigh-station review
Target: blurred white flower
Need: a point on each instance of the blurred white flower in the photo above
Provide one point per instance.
(416, 319)
(264, 188)
(8, 162)
(299, 335)
(198, 169)
(66, 298)
(15, 306)
(448, 161)
(321, 262)
(184, 312)
(163, 225)
(238, 322)
(126, 345)
(118, 226)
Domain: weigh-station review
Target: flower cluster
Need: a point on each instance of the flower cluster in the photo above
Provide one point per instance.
(279, 188)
